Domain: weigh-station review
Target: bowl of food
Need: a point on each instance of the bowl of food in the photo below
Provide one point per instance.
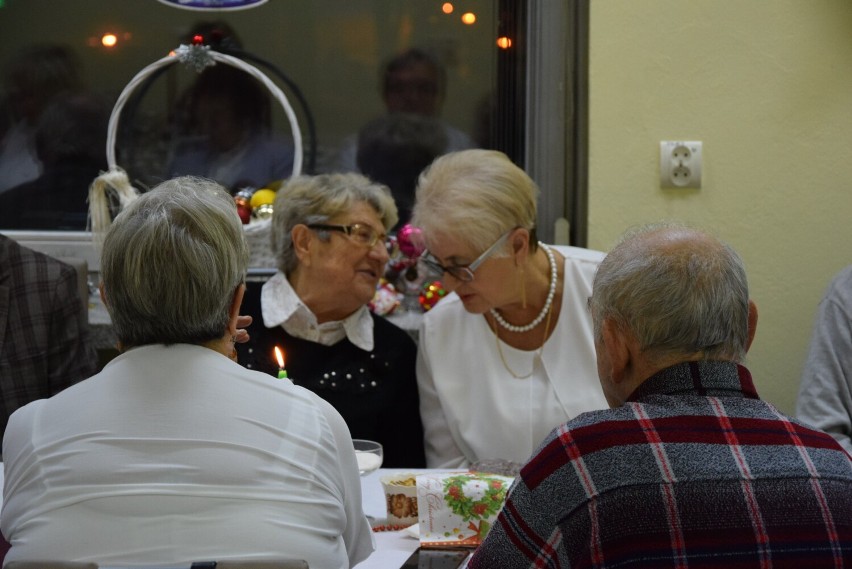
(401, 497)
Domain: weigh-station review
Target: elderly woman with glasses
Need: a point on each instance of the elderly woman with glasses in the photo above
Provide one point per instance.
(329, 234)
(509, 355)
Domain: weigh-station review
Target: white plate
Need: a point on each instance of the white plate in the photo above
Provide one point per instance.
(413, 531)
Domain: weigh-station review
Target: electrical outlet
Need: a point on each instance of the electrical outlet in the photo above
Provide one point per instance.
(680, 164)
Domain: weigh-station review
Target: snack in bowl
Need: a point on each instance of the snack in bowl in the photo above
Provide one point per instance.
(401, 496)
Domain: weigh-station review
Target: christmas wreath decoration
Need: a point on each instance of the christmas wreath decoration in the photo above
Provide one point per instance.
(474, 497)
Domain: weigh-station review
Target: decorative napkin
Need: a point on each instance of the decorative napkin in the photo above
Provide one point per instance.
(457, 509)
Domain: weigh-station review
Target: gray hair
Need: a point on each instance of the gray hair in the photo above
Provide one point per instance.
(316, 199)
(675, 300)
(171, 263)
(475, 196)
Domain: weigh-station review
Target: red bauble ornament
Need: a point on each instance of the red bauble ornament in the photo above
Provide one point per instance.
(244, 211)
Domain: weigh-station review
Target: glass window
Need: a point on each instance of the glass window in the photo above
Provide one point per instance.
(344, 67)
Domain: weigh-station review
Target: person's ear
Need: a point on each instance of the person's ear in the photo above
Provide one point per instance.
(520, 240)
(234, 311)
(618, 351)
(752, 323)
(301, 235)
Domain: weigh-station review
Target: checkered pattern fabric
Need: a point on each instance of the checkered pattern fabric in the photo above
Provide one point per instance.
(693, 471)
(44, 345)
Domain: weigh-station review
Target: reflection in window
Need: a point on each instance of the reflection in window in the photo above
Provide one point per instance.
(340, 59)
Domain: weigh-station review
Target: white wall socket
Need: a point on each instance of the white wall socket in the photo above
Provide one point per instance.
(680, 164)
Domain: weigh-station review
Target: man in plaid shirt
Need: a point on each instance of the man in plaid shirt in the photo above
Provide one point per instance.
(689, 468)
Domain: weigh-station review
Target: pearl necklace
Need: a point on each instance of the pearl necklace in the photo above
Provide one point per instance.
(537, 355)
(547, 303)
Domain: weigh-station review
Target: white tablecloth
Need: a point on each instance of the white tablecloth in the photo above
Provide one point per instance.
(392, 547)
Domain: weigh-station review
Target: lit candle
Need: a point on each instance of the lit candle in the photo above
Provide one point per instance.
(279, 355)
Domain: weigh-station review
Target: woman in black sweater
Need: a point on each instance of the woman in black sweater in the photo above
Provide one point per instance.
(329, 237)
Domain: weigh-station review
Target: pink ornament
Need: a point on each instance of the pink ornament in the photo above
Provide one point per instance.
(410, 241)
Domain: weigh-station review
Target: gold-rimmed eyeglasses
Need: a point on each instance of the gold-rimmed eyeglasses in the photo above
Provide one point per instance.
(463, 273)
(359, 233)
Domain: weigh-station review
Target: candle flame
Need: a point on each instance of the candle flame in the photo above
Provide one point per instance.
(279, 356)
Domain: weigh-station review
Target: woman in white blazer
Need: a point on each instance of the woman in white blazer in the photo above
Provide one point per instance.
(509, 355)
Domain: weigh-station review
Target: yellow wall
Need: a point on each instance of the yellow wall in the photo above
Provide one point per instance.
(766, 85)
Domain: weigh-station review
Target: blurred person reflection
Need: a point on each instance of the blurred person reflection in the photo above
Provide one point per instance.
(69, 140)
(226, 132)
(394, 149)
(31, 79)
(412, 82)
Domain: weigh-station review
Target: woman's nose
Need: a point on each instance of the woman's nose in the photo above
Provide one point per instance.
(380, 251)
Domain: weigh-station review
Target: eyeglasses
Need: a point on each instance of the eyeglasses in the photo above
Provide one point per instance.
(463, 273)
(359, 233)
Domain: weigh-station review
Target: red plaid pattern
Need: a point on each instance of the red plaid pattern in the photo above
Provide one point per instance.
(693, 471)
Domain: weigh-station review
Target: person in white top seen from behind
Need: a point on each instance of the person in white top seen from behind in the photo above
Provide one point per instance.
(175, 453)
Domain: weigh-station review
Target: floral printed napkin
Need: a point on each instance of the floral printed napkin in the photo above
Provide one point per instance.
(457, 509)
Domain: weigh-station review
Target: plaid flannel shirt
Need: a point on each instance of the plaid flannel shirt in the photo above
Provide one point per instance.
(44, 337)
(693, 471)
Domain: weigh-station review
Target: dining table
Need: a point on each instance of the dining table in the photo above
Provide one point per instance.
(393, 547)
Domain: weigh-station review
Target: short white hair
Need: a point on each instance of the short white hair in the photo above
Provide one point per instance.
(171, 263)
(475, 196)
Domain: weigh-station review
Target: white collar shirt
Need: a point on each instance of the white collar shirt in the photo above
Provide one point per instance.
(281, 306)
